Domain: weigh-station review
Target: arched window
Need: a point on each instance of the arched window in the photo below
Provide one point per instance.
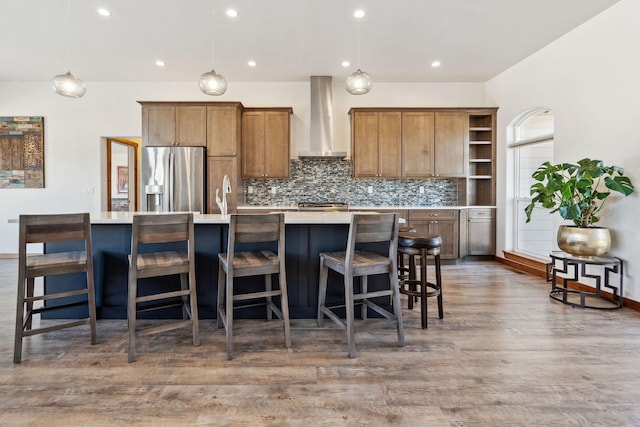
(532, 145)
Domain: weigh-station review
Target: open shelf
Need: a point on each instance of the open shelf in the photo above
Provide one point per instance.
(481, 176)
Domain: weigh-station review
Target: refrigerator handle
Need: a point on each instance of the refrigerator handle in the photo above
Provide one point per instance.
(171, 174)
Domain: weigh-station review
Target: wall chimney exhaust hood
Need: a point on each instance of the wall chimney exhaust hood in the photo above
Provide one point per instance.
(321, 137)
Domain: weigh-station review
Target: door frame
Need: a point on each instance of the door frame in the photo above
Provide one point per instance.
(135, 187)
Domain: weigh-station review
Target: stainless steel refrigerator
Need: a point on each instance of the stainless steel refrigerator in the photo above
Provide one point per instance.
(173, 179)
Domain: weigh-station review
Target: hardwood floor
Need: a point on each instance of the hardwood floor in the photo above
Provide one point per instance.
(504, 355)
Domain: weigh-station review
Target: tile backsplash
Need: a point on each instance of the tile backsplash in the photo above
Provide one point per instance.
(319, 180)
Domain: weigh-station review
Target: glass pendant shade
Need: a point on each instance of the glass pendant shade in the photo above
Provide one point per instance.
(68, 85)
(359, 83)
(213, 83)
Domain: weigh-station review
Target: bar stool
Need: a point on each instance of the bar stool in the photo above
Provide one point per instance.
(252, 229)
(414, 244)
(403, 268)
(364, 228)
(74, 229)
(162, 245)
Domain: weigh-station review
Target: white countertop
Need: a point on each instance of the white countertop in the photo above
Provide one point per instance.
(293, 217)
(290, 217)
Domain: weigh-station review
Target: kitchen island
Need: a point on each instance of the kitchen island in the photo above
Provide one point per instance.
(307, 234)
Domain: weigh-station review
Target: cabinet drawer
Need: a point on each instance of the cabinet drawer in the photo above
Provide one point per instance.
(481, 213)
(433, 214)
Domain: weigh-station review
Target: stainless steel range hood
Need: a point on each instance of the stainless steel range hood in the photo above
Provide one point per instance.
(321, 138)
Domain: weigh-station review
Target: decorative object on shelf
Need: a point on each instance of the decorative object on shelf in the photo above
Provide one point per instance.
(222, 203)
(359, 82)
(574, 190)
(67, 84)
(22, 152)
(212, 83)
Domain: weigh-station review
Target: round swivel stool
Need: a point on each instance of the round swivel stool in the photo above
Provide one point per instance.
(414, 244)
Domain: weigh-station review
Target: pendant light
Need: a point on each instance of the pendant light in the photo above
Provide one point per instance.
(67, 84)
(359, 82)
(212, 83)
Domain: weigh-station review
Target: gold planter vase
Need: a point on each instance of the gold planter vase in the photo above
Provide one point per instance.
(584, 242)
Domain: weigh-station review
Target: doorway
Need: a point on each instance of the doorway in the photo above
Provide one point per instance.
(122, 174)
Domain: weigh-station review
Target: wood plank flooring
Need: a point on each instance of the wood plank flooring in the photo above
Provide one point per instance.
(504, 355)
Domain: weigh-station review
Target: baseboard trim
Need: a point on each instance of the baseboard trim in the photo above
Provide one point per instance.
(533, 267)
(8, 256)
(539, 269)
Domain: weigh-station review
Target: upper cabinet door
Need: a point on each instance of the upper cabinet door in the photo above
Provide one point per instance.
(276, 140)
(222, 130)
(451, 148)
(389, 140)
(418, 145)
(265, 143)
(191, 126)
(158, 125)
(253, 144)
(365, 144)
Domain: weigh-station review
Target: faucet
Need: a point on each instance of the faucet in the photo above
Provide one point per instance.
(226, 188)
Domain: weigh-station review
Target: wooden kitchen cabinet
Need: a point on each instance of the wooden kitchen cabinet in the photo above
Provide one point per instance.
(418, 144)
(170, 124)
(409, 142)
(191, 126)
(217, 168)
(451, 153)
(265, 143)
(205, 124)
(376, 144)
(223, 129)
(158, 125)
(443, 222)
(463, 241)
(482, 231)
(434, 144)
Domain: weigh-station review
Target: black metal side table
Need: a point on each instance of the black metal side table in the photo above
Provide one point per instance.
(565, 268)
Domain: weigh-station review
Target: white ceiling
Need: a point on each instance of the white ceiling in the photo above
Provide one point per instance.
(289, 39)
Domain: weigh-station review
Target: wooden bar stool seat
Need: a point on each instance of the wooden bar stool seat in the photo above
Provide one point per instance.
(253, 229)
(162, 245)
(66, 229)
(364, 229)
(423, 246)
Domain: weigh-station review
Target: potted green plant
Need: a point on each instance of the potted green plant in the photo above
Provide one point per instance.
(578, 192)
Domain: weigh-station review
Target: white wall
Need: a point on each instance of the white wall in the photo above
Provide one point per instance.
(590, 78)
(75, 128)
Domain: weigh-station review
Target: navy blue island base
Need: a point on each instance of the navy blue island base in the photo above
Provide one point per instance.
(304, 242)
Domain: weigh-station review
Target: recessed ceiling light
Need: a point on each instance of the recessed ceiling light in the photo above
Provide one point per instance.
(104, 12)
(251, 63)
(435, 64)
(160, 63)
(232, 13)
(359, 13)
(346, 64)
